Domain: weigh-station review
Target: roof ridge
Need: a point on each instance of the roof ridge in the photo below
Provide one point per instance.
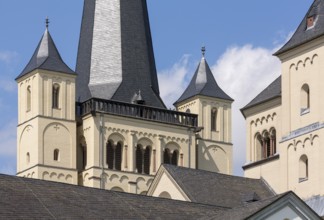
(211, 172)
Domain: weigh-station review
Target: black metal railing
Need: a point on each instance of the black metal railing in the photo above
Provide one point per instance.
(96, 105)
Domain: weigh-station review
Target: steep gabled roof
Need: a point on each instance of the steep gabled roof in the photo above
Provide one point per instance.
(272, 91)
(302, 34)
(217, 189)
(203, 83)
(46, 57)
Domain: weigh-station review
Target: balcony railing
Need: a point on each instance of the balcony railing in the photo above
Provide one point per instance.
(95, 105)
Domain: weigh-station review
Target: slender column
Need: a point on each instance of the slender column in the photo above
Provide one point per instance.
(131, 151)
(143, 154)
(154, 161)
(114, 160)
(126, 159)
(271, 146)
(264, 147)
(159, 148)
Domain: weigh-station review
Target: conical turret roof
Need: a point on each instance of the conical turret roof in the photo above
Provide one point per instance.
(46, 57)
(307, 30)
(203, 83)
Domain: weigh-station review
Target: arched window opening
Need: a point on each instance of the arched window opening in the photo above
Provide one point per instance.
(259, 146)
(84, 156)
(110, 155)
(213, 119)
(118, 156)
(143, 159)
(56, 155)
(56, 95)
(28, 158)
(174, 159)
(147, 160)
(267, 147)
(28, 98)
(166, 156)
(114, 155)
(304, 99)
(303, 168)
(139, 159)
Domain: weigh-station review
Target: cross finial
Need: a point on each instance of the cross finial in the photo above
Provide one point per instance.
(47, 22)
(203, 51)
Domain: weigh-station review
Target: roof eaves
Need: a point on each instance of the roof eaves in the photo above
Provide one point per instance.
(283, 50)
(258, 103)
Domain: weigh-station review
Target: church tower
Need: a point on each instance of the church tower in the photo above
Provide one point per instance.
(46, 133)
(115, 57)
(285, 122)
(125, 131)
(205, 98)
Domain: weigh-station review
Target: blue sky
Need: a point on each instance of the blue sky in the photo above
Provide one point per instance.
(240, 37)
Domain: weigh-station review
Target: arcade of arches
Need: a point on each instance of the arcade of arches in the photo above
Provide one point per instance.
(265, 144)
(145, 156)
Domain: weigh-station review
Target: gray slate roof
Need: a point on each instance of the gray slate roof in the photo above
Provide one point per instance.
(46, 57)
(115, 56)
(317, 204)
(217, 189)
(272, 91)
(302, 35)
(203, 83)
(23, 198)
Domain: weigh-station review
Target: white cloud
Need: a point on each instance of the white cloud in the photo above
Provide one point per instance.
(8, 139)
(242, 72)
(173, 81)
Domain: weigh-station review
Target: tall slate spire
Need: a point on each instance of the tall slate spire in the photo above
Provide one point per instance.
(115, 56)
(46, 57)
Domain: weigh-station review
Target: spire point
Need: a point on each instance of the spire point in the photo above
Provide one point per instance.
(47, 22)
(203, 51)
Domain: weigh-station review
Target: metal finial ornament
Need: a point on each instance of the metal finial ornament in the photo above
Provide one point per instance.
(47, 22)
(203, 51)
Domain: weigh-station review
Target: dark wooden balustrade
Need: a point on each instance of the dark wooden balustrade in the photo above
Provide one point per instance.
(95, 105)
